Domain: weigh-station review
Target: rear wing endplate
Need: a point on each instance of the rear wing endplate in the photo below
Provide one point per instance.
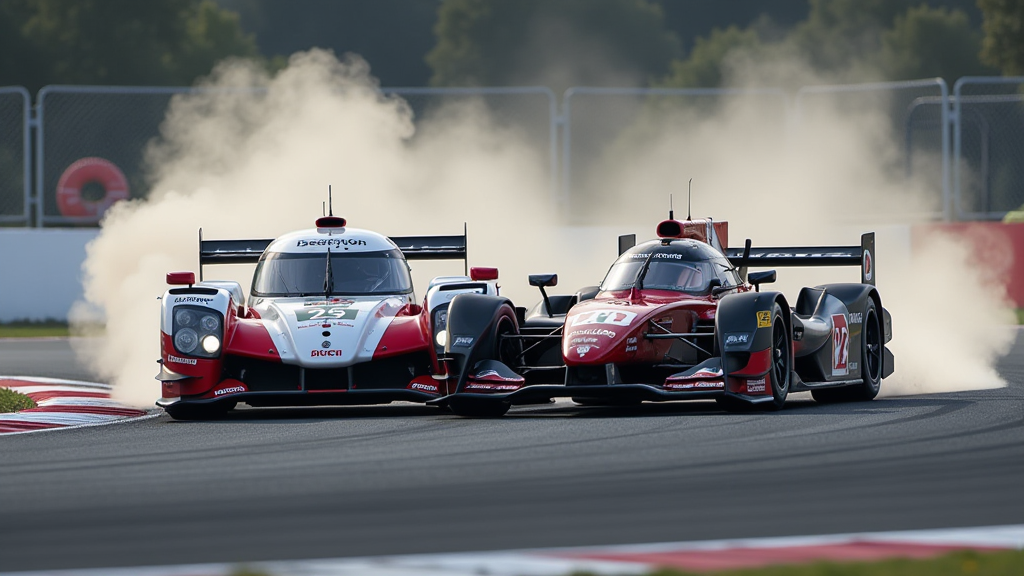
(863, 256)
(413, 247)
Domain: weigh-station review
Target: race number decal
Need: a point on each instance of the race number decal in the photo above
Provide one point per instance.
(764, 319)
(840, 345)
(325, 313)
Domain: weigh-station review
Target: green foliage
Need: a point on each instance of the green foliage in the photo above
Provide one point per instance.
(928, 42)
(859, 39)
(11, 401)
(34, 329)
(117, 42)
(703, 67)
(1003, 46)
(564, 43)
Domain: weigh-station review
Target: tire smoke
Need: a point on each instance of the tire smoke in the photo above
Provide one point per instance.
(245, 163)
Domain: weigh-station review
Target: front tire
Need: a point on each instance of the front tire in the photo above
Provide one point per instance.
(782, 360)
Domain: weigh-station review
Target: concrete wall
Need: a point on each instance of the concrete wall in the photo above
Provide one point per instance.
(41, 271)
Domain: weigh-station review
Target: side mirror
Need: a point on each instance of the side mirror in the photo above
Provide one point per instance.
(626, 241)
(541, 280)
(480, 273)
(181, 278)
(758, 278)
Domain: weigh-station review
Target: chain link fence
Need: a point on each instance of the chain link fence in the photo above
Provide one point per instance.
(967, 147)
(14, 158)
(988, 156)
(914, 113)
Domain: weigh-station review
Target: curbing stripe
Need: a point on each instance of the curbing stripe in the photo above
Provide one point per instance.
(62, 404)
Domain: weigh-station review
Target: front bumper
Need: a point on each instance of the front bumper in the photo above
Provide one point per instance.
(305, 398)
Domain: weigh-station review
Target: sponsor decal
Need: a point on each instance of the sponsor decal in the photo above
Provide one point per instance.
(639, 256)
(585, 340)
(330, 302)
(754, 386)
(840, 345)
(630, 349)
(869, 267)
(229, 390)
(764, 319)
(325, 344)
(703, 385)
(734, 339)
(856, 317)
(325, 313)
(179, 360)
(331, 242)
(319, 353)
(582, 350)
(464, 341)
(192, 300)
(631, 340)
(853, 365)
(593, 332)
(613, 317)
(424, 387)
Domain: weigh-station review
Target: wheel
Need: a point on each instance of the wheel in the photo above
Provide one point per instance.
(478, 407)
(508, 351)
(871, 364)
(186, 411)
(782, 361)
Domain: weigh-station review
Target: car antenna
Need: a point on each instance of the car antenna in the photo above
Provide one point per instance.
(330, 202)
(671, 213)
(689, 191)
(329, 278)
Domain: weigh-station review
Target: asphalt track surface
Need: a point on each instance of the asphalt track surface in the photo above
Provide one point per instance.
(289, 483)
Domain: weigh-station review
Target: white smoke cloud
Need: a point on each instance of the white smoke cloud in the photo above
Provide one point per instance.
(256, 164)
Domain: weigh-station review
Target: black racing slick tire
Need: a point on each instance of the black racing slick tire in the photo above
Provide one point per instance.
(781, 361)
(192, 412)
(871, 364)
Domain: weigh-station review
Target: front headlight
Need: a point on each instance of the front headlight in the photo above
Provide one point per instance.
(211, 344)
(441, 338)
(185, 340)
(197, 331)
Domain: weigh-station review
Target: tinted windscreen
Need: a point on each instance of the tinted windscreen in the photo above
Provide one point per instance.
(280, 274)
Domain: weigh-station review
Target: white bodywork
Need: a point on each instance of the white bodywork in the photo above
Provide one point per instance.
(319, 332)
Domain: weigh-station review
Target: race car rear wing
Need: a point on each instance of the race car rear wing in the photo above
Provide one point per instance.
(413, 247)
(863, 256)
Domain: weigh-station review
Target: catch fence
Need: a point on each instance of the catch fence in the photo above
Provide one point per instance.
(966, 147)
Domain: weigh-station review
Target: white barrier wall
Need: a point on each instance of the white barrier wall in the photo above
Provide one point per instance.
(41, 271)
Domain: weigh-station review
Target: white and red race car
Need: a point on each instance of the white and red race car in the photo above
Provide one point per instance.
(331, 318)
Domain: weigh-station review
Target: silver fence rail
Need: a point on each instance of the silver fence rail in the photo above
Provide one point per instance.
(15, 160)
(902, 101)
(977, 132)
(988, 152)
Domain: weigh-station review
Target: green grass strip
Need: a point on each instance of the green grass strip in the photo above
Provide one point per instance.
(23, 329)
(963, 563)
(11, 401)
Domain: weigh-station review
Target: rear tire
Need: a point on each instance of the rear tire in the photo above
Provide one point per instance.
(871, 364)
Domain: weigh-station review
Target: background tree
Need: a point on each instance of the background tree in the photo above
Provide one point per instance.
(118, 42)
(560, 44)
(928, 42)
(1003, 45)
